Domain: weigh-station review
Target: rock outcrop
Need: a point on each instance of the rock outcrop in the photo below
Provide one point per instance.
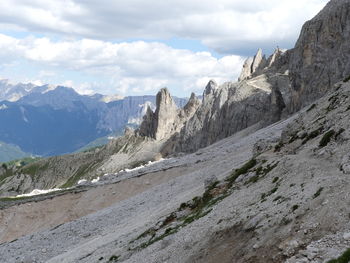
(321, 56)
(167, 118)
(253, 65)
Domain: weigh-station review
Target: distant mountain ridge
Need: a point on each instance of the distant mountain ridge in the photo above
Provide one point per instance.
(47, 120)
(9, 152)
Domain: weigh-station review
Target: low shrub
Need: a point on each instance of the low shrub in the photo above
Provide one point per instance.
(344, 258)
(326, 138)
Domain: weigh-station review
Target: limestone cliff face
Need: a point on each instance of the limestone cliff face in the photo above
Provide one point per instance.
(232, 107)
(260, 98)
(321, 56)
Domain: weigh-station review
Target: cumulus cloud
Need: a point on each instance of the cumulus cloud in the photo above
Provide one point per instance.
(227, 26)
(137, 67)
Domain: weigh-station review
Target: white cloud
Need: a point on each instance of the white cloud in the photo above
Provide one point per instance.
(138, 67)
(224, 25)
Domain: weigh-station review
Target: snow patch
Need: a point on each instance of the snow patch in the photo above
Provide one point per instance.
(83, 181)
(150, 163)
(39, 192)
(95, 180)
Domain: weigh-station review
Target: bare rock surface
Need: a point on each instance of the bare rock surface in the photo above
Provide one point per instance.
(321, 55)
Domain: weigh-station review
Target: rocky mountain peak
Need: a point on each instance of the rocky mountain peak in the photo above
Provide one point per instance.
(164, 99)
(167, 118)
(192, 105)
(253, 65)
(209, 89)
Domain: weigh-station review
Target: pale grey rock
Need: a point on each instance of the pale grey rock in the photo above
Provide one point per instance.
(167, 118)
(321, 56)
(247, 69)
(346, 236)
(232, 107)
(262, 145)
(128, 131)
(259, 61)
(253, 66)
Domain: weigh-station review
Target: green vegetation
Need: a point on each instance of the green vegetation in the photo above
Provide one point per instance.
(333, 103)
(265, 170)
(253, 179)
(319, 191)
(312, 135)
(243, 170)
(326, 138)
(293, 138)
(138, 164)
(344, 258)
(275, 180)
(295, 207)
(198, 207)
(9, 199)
(265, 195)
(34, 168)
(22, 162)
(83, 170)
(346, 79)
(278, 146)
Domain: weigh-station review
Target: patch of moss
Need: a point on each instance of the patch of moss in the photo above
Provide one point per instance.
(344, 258)
(326, 138)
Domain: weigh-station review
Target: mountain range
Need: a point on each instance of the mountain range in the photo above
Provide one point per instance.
(52, 120)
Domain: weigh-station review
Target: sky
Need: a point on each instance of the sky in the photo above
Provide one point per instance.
(136, 47)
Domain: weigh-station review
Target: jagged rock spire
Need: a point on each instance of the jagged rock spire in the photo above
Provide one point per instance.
(167, 118)
(209, 90)
(253, 65)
